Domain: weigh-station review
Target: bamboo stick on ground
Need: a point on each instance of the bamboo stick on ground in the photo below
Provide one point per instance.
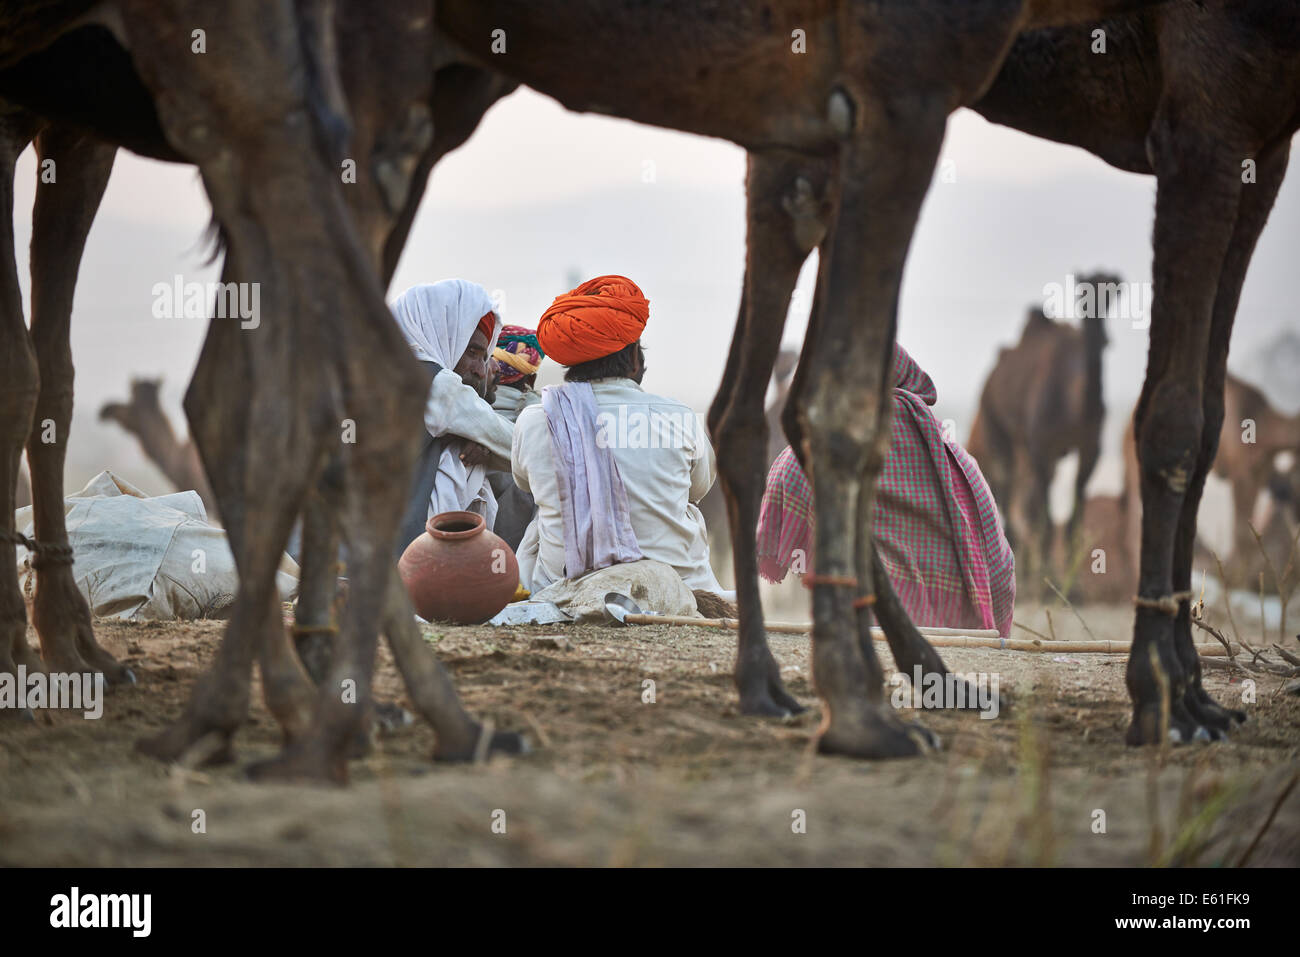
(939, 637)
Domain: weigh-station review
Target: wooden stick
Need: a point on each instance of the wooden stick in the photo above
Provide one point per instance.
(939, 637)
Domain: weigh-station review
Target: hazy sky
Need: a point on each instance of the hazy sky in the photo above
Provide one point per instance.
(540, 195)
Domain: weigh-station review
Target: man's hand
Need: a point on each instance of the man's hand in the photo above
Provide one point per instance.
(475, 454)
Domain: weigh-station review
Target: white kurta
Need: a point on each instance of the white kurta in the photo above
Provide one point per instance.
(667, 465)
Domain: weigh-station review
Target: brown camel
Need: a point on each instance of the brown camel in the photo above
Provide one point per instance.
(1211, 99)
(392, 129)
(861, 102)
(265, 100)
(1183, 68)
(842, 144)
(1041, 402)
(144, 418)
(1252, 435)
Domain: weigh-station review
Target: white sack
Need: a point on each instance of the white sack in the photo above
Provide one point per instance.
(145, 558)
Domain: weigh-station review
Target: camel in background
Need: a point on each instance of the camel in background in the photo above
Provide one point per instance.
(144, 418)
(1043, 401)
(1252, 436)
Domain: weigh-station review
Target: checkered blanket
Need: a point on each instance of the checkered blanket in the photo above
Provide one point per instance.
(935, 523)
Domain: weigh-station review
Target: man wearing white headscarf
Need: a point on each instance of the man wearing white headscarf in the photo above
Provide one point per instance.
(451, 326)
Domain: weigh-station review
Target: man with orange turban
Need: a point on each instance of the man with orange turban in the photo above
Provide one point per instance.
(616, 472)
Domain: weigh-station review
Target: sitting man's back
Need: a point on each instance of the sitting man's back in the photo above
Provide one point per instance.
(615, 471)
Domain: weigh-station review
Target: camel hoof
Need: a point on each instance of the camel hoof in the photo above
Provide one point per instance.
(765, 706)
(503, 742)
(179, 744)
(300, 767)
(877, 740)
(127, 679)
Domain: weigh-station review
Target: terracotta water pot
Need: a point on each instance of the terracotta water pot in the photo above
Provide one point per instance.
(458, 570)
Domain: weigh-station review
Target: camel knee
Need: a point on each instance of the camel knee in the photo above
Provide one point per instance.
(1169, 437)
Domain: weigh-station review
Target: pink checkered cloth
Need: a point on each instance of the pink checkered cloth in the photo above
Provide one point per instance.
(935, 523)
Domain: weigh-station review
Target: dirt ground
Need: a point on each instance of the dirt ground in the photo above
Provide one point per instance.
(683, 780)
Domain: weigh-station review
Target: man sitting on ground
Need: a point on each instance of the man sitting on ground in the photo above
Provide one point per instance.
(614, 470)
(450, 326)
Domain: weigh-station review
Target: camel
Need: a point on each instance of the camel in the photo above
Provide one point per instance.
(1211, 100)
(1041, 402)
(144, 418)
(1252, 435)
(1183, 66)
(268, 142)
(841, 147)
(812, 181)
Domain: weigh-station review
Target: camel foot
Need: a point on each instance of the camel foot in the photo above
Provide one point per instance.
(204, 732)
(62, 620)
(300, 765)
(1183, 728)
(958, 694)
(184, 743)
(502, 742)
(385, 716)
(1210, 713)
(292, 702)
(876, 737)
(762, 692)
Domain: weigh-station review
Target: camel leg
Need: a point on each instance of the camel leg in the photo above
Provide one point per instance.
(1198, 191)
(462, 94)
(1088, 455)
(258, 509)
(785, 221)
(431, 688)
(19, 387)
(61, 218)
(372, 504)
(1256, 202)
(314, 616)
(291, 243)
(844, 408)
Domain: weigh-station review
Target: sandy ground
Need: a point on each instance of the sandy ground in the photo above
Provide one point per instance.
(614, 779)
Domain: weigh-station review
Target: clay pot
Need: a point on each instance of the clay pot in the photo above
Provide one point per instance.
(458, 570)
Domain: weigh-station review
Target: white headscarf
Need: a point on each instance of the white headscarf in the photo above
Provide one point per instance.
(439, 320)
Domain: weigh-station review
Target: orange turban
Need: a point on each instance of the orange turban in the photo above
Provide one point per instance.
(597, 319)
